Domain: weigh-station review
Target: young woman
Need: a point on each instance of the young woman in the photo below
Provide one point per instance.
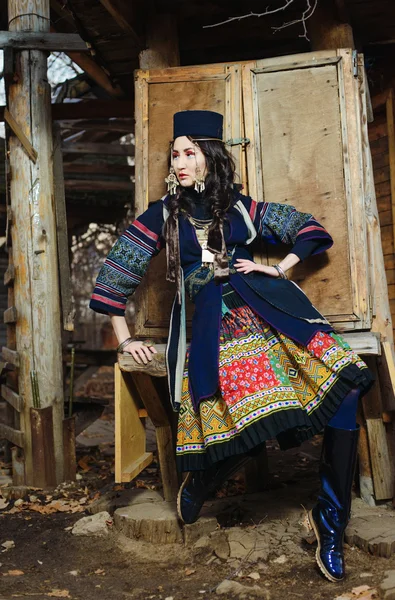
(263, 362)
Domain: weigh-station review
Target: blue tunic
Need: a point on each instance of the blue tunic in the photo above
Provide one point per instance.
(280, 302)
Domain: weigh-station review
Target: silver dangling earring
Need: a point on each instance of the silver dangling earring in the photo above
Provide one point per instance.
(199, 181)
(171, 181)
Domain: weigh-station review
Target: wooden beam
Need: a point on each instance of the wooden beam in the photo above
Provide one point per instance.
(12, 398)
(99, 148)
(10, 315)
(92, 185)
(389, 107)
(66, 293)
(17, 129)
(29, 40)
(100, 168)
(14, 436)
(11, 356)
(86, 109)
(113, 125)
(9, 275)
(117, 11)
(95, 72)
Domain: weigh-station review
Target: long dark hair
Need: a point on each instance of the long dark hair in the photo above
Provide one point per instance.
(219, 192)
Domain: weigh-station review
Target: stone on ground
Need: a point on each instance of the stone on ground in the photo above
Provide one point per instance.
(202, 527)
(95, 525)
(387, 587)
(113, 500)
(154, 522)
(373, 533)
(233, 587)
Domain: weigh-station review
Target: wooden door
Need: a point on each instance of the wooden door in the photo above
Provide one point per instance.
(159, 94)
(303, 117)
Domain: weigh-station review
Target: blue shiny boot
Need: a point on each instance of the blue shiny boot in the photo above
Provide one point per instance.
(198, 485)
(330, 516)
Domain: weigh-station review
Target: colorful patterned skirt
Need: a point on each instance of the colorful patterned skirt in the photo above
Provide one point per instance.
(269, 387)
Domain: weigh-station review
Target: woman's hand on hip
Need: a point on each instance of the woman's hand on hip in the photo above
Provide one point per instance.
(142, 352)
(248, 266)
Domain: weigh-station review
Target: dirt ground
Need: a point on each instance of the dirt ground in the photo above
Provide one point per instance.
(47, 561)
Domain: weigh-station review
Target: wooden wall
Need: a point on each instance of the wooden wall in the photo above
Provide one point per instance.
(378, 137)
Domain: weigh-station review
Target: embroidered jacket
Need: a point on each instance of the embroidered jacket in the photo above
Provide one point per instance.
(280, 302)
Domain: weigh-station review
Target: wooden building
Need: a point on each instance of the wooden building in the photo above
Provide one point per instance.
(177, 47)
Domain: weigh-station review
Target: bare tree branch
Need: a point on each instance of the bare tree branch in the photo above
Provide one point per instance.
(307, 13)
(311, 6)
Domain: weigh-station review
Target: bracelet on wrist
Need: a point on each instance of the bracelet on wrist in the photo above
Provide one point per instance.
(280, 271)
(123, 344)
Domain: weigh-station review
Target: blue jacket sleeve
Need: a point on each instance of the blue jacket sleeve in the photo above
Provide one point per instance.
(127, 262)
(281, 223)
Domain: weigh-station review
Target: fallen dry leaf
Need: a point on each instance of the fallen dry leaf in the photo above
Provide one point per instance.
(362, 592)
(13, 510)
(3, 503)
(8, 545)
(83, 463)
(59, 594)
(100, 572)
(190, 571)
(72, 506)
(14, 573)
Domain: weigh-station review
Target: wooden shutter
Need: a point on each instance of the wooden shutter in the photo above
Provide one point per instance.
(159, 94)
(303, 117)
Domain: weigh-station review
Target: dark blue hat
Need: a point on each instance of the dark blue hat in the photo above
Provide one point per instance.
(200, 123)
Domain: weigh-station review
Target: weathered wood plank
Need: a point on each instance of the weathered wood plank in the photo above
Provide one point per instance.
(95, 109)
(130, 452)
(10, 315)
(99, 148)
(9, 275)
(29, 40)
(118, 126)
(12, 398)
(364, 462)
(91, 185)
(391, 151)
(381, 462)
(378, 446)
(16, 128)
(62, 234)
(364, 342)
(100, 168)
(167, 463)
(153, 403)
(10, 356)
(387, 376)
(12, 435)
(156, 367)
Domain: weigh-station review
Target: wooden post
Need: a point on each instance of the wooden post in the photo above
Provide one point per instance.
(162, 42)
(326, 29)
(36, 286)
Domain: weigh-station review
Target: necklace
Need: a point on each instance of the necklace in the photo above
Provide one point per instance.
(201, 227)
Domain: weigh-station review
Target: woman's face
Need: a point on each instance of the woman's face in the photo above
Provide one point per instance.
(185, 158)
